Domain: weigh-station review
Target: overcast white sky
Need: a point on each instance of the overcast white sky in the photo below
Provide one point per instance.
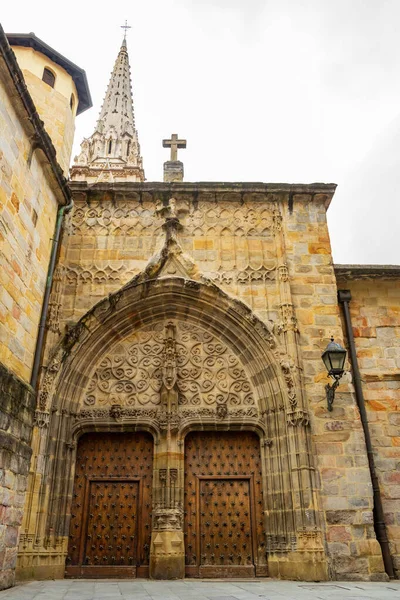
(293, 91)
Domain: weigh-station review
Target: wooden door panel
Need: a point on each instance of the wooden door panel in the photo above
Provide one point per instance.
(225, 528)
(111, 507)
(112, 523)
(224, 533)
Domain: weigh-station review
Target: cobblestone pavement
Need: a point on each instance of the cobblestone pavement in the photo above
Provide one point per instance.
(142, 589)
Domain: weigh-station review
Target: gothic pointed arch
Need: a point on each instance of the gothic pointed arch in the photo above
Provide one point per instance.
(109, 369)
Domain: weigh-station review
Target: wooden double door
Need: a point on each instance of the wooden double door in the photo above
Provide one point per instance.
(110, 527)
(111, 511)
(224, 528)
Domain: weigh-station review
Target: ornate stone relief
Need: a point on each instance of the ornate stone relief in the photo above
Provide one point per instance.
(298, 417)
(283, 272)
(107, 413)
(288, 318)
(220, 218)
(168, 519)
(47, 382)
(164, 420)
(108, 275)
(232, 218)
(53, 318)
(205, 371)
(244, 276)
(41, 418)
(122, 218)
(287, 369)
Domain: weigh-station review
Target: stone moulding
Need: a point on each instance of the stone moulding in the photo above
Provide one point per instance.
(159, 420)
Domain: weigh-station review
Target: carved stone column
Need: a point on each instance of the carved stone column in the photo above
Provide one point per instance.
(308, 554)
(167, 553)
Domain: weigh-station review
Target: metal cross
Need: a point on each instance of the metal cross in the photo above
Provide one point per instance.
(174, 143)
(125, 27)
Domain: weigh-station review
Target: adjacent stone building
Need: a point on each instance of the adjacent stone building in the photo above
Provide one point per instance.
(33, 187)
(182, 426)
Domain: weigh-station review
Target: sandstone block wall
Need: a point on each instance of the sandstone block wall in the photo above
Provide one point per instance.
(375, 314)
(52, 104)
(339, 446)
(272, 251)
(17, 405)
(28, 210)
(112, 236)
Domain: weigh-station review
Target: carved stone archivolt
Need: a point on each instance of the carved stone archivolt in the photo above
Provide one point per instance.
(205, 371)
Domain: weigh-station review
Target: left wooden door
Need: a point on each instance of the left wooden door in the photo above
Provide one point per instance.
(110, 525)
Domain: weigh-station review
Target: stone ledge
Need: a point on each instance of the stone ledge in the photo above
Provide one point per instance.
(367, 271)
(206, 186)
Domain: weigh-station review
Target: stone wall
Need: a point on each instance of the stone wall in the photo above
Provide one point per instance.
(339, 445)
(232, 238)
(375, 314)
(28, 209)
(269, 248)
(17, 405)
(52, 104)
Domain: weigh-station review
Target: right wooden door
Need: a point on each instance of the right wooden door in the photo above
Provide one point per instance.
(224, 532)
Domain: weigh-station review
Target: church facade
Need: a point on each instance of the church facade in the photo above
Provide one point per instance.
(180, 426)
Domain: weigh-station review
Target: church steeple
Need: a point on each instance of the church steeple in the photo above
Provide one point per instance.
(112, 153)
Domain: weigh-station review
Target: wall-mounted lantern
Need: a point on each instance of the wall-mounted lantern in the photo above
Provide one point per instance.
(333, 356)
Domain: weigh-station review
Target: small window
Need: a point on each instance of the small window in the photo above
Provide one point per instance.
(49, 77)
(72, 102)
(109, 147)
(128, 147)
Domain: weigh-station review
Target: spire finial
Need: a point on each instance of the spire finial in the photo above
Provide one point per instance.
(113, 150)
(125, 27)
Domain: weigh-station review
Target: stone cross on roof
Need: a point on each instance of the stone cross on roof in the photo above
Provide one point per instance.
(174, 143)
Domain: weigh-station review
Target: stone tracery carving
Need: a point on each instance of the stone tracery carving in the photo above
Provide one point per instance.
(205, 371)
(53, 318)
(288, 318)
(232, 218)
(244, 276)
(47, 382)
(223, 218)
(129, 218)
(108, 274)
(163, 419)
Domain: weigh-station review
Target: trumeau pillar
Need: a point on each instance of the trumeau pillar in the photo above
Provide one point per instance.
(167, 553)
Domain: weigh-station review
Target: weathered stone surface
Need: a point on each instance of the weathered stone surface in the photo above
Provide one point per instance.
(375, 314)
(17, 406)
(25, 192)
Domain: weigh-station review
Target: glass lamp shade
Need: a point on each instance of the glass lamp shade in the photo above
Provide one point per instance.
(334, 356)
